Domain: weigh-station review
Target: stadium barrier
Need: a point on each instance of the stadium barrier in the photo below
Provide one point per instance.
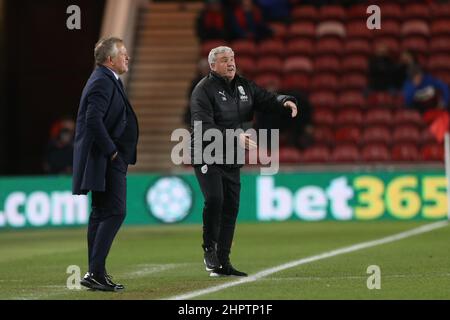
(33, 202)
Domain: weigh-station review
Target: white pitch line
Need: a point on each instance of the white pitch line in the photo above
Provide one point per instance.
(325, 255)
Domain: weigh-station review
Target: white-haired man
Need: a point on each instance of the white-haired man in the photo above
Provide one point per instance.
(224, 100)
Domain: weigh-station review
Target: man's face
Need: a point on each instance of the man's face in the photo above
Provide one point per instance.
(119, 63)
(225, 65)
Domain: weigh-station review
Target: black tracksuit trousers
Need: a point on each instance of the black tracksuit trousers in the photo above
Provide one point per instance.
(221, 187)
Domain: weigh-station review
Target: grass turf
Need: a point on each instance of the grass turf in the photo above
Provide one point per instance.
(157, 262)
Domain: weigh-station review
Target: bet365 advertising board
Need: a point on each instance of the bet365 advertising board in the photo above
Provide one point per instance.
(33, 202)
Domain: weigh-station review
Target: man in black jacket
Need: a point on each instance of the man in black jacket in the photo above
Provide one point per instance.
(105, 144)
(223, 100)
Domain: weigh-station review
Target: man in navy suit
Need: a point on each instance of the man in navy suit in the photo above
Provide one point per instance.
(105, 143)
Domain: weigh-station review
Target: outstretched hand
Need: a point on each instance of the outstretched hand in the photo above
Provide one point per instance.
(292, 106)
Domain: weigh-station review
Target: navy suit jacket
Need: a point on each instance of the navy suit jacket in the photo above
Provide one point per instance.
(101, 120)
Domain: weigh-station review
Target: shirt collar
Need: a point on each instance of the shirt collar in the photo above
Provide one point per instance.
(115, 74)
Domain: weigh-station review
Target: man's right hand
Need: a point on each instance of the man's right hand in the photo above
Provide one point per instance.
(246, 142)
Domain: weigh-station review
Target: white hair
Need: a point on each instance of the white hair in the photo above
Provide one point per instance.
(214, 52)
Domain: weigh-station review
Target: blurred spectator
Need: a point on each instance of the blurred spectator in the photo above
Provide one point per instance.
(247, 21)
(294, 131)
(424, 92)
(276, 10)
(382, 70)
(202, 71)
(59, 153)
(212, 23)
(408, 61)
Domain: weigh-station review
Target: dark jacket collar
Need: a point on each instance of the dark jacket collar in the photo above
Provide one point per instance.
(230, 85)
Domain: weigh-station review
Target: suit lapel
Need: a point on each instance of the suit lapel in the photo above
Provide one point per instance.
(109, 74)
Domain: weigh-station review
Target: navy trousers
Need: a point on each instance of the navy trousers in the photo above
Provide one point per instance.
(107, 215)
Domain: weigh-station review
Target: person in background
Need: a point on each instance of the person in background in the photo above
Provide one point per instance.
(59, 153)
(423, 92)
(212, 22)
(382, 70)
(247, 21)
(407, 62)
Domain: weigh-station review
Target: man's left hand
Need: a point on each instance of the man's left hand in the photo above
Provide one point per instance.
(292, 106)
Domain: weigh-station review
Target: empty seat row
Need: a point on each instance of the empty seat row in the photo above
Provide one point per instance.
(372, 152)
(376, 116)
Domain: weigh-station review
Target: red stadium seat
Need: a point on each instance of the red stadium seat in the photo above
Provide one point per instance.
(289, 155)
(354, 63)
(441, 10)
(317, 153)
(351, 99)
(405, 152)
(299, 47)
(406, 133)
(330, 28)
(301, 29)
(279, 30)
(432, 152)
(323, 117)
(268, 80)
(357, 12)
(356, 81)
(440, 44)
(323, 99)
(345, 153)
(439, 62)
(405, 116)
(415, 27)
(304, 13)
(331, 12)
(349, 117)
(323, 135)
(327, 63)
(298, 64)
(378, 133)
(375, 152)
(296, 81)
(440, 27)
(244, 47)
(389, 28)
(392, 43)
(324, 81)
(358, 30)
(415, 44)
(269, 64)
(391, 11)
(379, 99)
(358, 46)
(417, 11)
(329, 46)
(246, 65)
(378, 117)
(426, 137)
(348, 134)
(271, 47)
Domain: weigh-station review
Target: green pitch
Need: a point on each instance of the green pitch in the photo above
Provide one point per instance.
(158, 262)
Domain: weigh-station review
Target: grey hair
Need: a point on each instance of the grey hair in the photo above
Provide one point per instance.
(214, 52)
(106, 47)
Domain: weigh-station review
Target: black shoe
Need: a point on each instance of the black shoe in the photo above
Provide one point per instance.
(86, 281)
(117, 286)
(210, 258)
(99, 282)
(227, 270)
